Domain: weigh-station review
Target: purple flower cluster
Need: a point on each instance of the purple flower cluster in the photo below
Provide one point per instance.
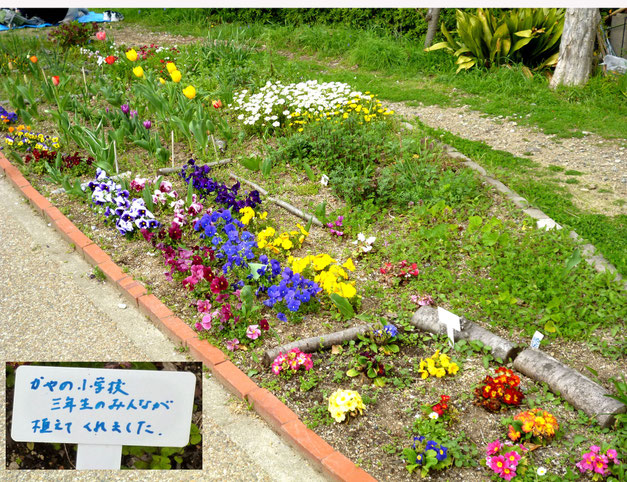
(292, 289)
(127, 214)
(229, 244)
(440, 450)
(227, 196)
(7, 117)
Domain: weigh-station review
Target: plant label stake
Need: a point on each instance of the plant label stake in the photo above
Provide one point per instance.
(536, 339)
(172, 136)
(451, 321)
(102, 409)
(115, 157)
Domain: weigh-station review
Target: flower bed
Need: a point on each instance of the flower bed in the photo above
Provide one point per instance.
(248, 277)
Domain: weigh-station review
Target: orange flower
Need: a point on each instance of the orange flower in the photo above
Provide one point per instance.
(217, 104)
(33, 59)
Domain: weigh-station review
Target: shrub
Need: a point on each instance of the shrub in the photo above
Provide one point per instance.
(73, 33)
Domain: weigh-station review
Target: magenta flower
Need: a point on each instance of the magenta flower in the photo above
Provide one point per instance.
(253, 332)
(493, 448)
(206, 321)
(513, 458)
(231, 345)
(498, 464)
(147, 124)
(125, 108)
(203, 306)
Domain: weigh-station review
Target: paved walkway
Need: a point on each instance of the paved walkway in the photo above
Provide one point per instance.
(50, 310)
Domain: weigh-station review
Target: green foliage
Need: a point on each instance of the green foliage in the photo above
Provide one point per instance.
(530, 36)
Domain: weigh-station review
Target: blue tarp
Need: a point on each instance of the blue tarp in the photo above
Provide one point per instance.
(90, 17)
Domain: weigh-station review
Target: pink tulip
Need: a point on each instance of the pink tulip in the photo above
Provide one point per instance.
(101, 35)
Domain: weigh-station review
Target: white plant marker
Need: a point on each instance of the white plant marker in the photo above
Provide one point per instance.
(451, 321)
(172, 156)
(115, 156)
(102, 409)
(535, 341)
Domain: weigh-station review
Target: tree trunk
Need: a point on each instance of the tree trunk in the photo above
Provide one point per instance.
(576, 47)
(432, 18)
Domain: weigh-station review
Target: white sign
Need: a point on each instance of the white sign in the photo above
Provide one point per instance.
(535, 341)
(96, 406)
(451, 321)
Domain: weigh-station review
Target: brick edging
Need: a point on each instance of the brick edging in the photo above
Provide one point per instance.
(279, 417)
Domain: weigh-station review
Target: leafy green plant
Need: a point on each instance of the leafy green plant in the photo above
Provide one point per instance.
(73, 34)
(526, 35)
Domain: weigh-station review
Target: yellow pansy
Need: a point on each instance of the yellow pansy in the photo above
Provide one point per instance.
(321, 261)
(349, 265)
(248, 214)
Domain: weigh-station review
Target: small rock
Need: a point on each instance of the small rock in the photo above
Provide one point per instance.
(93, 228)
(14, 466)
(122, 306)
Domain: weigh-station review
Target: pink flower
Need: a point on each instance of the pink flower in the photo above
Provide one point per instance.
(203, 306)
(513, 458)
(611, 454)
(190, 282)
(253, 332)
(600, 465)
(493, 448)
(206, 321)
(595, 449)
(166, 186)
(498, 464)
(231, 345)
(101, 35)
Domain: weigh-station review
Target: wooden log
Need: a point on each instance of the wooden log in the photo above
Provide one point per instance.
(575, 388)
(288, 207)
(315, 343)
(170, 170)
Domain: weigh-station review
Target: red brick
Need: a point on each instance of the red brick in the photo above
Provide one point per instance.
(153, 308)
(271, 409)
(4, 162)
(339, 467)
(112, 271)
(306, 441)
(52, 213)
(63, 224)
(132, 290)
(18, 180)
(78, 239)
(233, 379)
(94, 254)
(205, 352)
(176, 329)
(38, 201)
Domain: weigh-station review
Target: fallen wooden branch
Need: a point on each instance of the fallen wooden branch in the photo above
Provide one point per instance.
(170, 170)
(288, 207)
(316, 343)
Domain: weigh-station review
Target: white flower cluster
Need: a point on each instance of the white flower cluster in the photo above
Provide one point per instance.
(275, 102)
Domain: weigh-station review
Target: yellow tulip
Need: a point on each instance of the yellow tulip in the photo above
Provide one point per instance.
(162, 80)
(171, 67)
(176, 76)
(138, 71)
(189, 92)
(131, 55)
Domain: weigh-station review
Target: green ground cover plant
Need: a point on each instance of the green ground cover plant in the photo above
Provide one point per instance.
(404, 226)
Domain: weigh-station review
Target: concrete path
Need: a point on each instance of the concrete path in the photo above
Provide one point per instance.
(50, 310)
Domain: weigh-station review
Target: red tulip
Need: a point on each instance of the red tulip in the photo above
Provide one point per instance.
(110, 59)
(217, 104)
(55, 80)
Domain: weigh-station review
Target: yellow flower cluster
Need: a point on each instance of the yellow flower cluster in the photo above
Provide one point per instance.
(439, 365)
(366, 108)
(329, 274)
(266, 239)
(248, 214)
(345, 402)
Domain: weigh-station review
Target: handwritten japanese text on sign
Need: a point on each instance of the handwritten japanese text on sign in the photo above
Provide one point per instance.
(102, 406)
